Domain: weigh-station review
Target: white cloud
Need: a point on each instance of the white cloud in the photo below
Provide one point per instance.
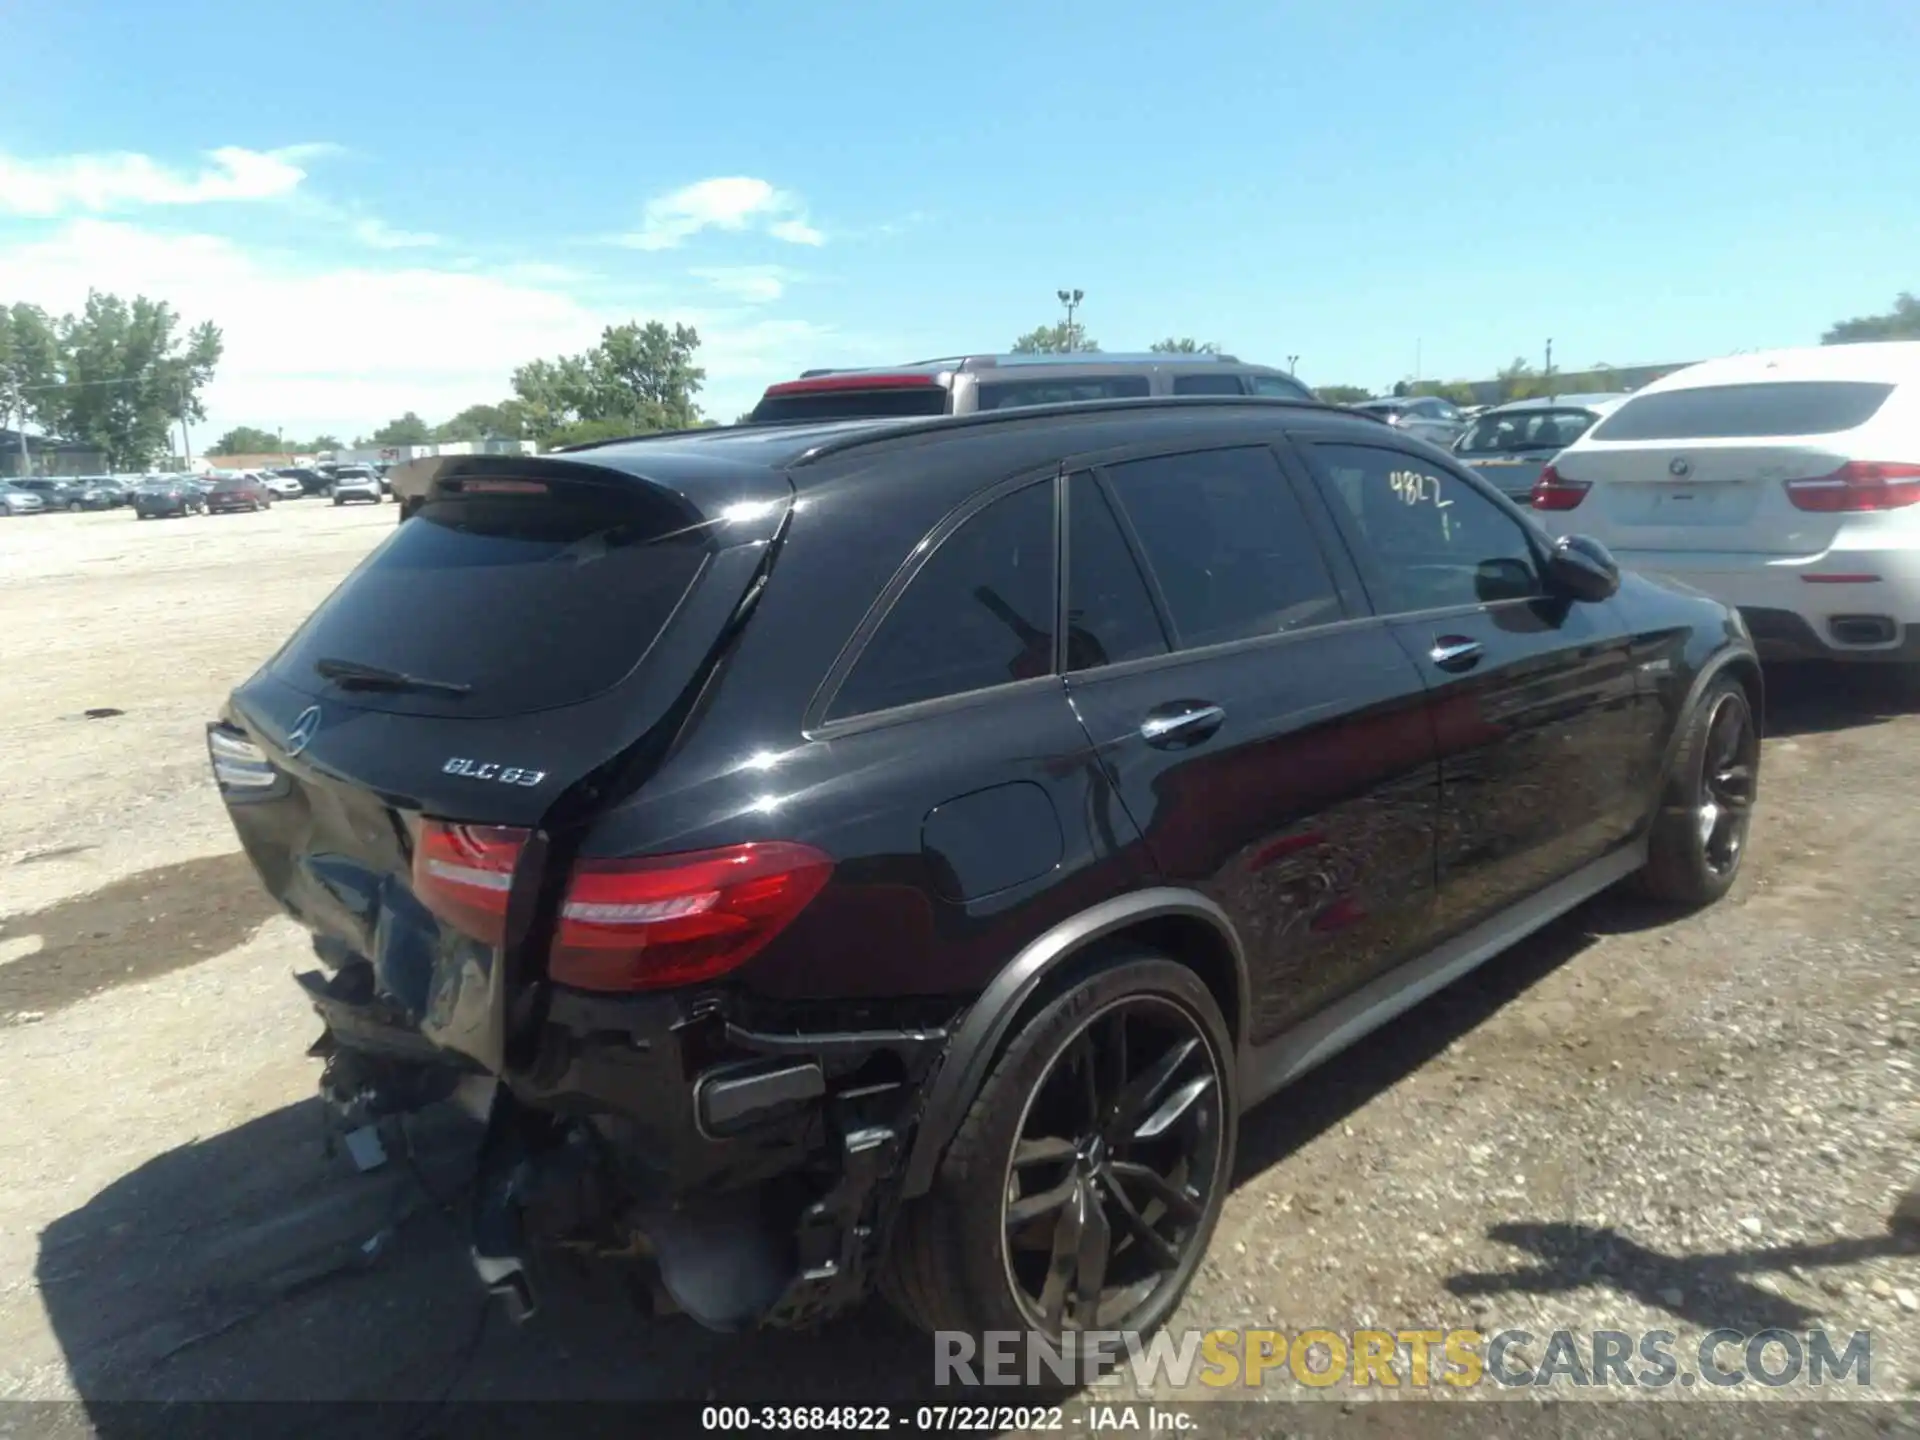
(734, 202)
(342, 347)
(382, 236)
(104, 183)
(749, 284)
(796, 232)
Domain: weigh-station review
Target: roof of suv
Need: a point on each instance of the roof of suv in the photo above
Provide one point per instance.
(784, 445)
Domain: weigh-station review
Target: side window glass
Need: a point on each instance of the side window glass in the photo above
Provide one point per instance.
(1110, 615)
(978, 613)
(1434, 540)
(1208, 385)
(1228, 544)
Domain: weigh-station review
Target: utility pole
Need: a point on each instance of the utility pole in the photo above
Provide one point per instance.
(1071, 299)
(186, 436)
(17, 409)
(1549, 369)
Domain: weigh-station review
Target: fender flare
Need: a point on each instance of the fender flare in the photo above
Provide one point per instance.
(977, 1040)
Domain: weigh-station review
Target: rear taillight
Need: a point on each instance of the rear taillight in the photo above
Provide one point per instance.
(238, 763)
(626, 925)
(1553, 491)
(1858, 485)
(463, 873)
(677, 919)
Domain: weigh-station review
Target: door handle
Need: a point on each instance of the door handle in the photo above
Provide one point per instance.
(1182, 724)
(1455, 653)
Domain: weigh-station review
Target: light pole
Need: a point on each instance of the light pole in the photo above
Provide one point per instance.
(1292, 360)
(1071, 299)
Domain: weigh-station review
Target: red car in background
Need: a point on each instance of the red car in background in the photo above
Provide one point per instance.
(238, 492)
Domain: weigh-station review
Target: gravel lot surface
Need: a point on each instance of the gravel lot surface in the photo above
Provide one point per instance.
(1633, 1121)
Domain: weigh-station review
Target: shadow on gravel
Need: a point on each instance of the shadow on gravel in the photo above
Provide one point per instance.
(252, 1267)
(1344, 1084)
(1811, 698)
(1708, 1290)
(134, 929)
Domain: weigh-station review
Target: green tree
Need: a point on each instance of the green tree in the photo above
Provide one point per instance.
(1900, 323)
(29, 367)
(127, 374)
(1186, 345)
(409, 429)
(1519, 381)
(246, 440)
(505, 421)
(323, 443)
(638, 379)
(1059, 339)
(1342, 394)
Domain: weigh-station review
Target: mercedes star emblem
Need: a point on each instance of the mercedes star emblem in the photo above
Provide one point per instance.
(301, 735)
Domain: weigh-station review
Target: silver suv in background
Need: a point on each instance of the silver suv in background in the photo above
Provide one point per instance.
(1509, 444)
(961, 385)
(1426, 417)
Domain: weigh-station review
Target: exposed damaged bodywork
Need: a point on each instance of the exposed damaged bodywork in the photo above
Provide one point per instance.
(754, 1173)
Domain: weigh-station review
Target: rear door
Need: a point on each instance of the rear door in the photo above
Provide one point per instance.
(1536, 716)
(1707, 468)
(1270, 742)
(500, 661)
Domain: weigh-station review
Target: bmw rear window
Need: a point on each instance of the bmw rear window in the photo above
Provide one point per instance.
(1775, 408)
(505, 604)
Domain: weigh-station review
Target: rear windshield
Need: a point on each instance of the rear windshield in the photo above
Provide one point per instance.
(888, 403)
(1773, 408)
(1517, 430)
(531, 602)
(1007, 394)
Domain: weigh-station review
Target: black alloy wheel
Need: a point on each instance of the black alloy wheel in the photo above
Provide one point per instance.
(1114, 1168)
(1085, 1179)
(1727, 784)
(1699, 833)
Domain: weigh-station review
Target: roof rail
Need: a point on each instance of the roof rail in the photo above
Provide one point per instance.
(1012, 414)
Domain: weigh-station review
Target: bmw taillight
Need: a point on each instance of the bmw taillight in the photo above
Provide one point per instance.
(669, 920)
(1858, 485)
(1553, 491)
(626, 925)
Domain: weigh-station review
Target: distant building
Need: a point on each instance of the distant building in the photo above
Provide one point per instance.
(48, 457)
(394, 454)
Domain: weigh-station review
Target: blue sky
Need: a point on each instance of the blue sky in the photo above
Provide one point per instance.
(387, 206)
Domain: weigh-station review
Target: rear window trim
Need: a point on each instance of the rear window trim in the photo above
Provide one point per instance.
(815, 725)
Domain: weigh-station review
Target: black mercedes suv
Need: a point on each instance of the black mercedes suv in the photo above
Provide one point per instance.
(897, 851)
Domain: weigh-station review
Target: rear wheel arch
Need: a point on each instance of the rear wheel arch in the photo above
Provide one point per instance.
(1180, 924)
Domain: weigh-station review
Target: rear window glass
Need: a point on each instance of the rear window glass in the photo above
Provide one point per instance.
(1280, 386)
(1512, 430)
(1006, 394)
(885, 404)
(533, 603)
(1773, 408)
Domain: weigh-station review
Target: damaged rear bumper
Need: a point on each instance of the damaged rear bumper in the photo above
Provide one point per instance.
(751, 1161)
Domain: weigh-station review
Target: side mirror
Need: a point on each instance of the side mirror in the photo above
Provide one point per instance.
(1583, 568)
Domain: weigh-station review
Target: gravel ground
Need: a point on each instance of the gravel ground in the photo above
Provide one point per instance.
(1633, 1121)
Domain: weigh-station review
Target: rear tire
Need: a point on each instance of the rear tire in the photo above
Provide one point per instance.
(987, 1249)
(1706, 806)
